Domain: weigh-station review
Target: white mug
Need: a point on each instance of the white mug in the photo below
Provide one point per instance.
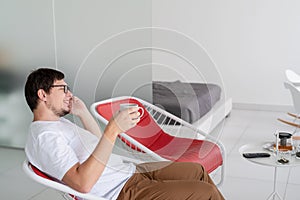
(124, 106)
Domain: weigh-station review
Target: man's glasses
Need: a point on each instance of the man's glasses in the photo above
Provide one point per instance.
(66, 88)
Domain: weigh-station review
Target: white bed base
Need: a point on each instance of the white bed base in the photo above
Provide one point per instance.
(215, 116)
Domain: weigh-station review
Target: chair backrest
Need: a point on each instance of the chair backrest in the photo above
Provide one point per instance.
(149, 134)
(156, 135)
(292, 77)
(42, 178)
(152, 137)
(295, 92)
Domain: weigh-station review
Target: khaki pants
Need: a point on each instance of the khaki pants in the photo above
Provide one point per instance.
(167, 180)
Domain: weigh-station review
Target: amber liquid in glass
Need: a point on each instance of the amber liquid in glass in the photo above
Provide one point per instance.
(287, 147)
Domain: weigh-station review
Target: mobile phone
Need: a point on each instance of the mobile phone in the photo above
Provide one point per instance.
(256, 155)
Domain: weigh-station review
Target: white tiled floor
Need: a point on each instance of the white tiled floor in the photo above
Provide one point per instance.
(243, 181)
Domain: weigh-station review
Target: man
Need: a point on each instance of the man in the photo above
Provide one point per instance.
(82, 157)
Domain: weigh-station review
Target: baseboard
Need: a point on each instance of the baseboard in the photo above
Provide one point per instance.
(263, 107)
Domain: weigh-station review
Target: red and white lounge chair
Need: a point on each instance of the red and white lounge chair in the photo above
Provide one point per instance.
(159, 136)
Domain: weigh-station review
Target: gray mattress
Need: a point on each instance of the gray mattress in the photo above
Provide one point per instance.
(188, 101)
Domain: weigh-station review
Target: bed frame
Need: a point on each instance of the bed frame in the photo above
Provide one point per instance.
(215, 116)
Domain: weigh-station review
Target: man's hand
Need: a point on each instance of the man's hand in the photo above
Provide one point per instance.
(78, 107)
(124, 120)
(127, 118)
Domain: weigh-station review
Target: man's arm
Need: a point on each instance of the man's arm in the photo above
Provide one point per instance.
(82, 177)
(89, 123)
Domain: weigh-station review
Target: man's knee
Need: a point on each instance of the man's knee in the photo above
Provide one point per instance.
(202, 192)
(214, 193)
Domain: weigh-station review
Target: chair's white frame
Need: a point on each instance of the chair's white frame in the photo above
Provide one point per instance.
(293, 77)
(295, 93)
(153, 155)
(63, 189)
(293, 85)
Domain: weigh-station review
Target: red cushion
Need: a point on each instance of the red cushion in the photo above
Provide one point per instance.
(42, 174)
(149, 133)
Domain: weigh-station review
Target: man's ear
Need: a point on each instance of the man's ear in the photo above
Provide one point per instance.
(42, 94)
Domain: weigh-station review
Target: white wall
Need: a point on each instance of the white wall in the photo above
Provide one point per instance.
(96, 42)
(251, 42)
(25, 42)
(101, 33)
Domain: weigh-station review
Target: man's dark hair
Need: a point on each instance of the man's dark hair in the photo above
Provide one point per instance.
(41, 78)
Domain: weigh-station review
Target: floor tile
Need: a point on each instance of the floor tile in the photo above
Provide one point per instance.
(236, 188)
(10, 158)
(48, 194)
(16, 185)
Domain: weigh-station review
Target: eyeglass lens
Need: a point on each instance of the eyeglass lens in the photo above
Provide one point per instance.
(66, 88)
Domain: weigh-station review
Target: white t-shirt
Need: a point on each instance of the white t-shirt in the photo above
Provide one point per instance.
(55, 146)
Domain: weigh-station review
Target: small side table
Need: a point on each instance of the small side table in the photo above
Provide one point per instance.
(268, 161)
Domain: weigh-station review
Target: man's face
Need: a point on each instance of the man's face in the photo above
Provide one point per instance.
(59, 100)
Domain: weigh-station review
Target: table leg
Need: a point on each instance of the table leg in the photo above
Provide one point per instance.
(287, 182)
(274, 194)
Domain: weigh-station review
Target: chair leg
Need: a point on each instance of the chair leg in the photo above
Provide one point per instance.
(289, 123)
(294, 115)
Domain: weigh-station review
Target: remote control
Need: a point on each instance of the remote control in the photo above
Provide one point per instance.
(256, 155)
